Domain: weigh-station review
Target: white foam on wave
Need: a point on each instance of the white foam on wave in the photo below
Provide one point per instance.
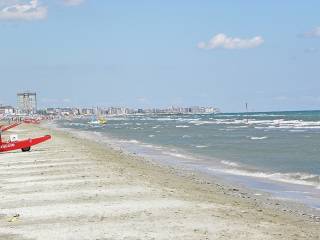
(152, 146)
(297, 130)
(260, 124)
(75, 124)
(288, 124)
(177, 155)
(187, 119)
(291, 178)
(129, 141)
(201, 146)
(136, 128)
(228, 163)
(182, 126)
(235, 127)
(258, 138)
(164, 119)
(199, 122)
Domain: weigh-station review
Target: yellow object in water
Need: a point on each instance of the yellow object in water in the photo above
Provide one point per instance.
(102, 121)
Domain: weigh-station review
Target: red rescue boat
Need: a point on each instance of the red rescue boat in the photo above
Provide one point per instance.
(5, 128)
(24, 145)
(31, 121)
(15, 144)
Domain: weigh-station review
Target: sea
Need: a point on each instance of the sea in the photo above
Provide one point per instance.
(273, 152)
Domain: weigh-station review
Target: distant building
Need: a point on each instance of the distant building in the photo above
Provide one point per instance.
(87, 111)
(6, 110)
(117, 111)
(27, 102)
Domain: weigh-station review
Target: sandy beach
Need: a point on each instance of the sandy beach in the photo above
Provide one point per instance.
(72, 188)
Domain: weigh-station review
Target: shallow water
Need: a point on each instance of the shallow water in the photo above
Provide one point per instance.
(276, 148)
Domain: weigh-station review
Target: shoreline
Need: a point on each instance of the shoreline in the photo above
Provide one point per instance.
(159, 202)
(277, 193)
(237, 190)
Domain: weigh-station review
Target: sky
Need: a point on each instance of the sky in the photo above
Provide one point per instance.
(159, 53)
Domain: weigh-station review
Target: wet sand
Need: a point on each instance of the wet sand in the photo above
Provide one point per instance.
(72, 188)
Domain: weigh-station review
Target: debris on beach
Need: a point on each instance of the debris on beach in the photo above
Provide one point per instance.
(14, 218)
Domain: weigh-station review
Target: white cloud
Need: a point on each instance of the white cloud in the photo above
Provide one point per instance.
(23, 11)
(73, 2)
(313, 33)
(222, 41)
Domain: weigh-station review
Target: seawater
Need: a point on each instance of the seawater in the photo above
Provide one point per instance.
(277, 152)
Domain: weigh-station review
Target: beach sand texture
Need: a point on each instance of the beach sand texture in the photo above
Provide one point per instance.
(72, 188)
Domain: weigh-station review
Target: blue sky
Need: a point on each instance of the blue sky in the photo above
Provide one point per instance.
(160, 53)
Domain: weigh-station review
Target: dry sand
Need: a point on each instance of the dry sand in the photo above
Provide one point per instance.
(72, 188)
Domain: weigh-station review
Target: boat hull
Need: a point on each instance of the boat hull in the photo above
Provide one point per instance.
(31, 121)
(24, 145)
(5, 128)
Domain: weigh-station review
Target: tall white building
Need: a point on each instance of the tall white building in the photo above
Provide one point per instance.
(27, 102)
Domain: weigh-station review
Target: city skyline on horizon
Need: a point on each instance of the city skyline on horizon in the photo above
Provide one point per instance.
(157, 54)
(65, 103)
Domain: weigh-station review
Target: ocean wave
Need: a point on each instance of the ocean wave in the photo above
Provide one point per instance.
(136, 128)
(228, 163)
(186, 136)
(260, 123)
(178, 155)
(75, 124)
(201, 146)
(164, 119)
(227, 129)
(288, 127)
(152, 146)
(187, 119)
(199, 122)
(258, 138)
(292, 178)
(182, 126)
(235, 127)
(251, 115)
(129, 141)
(297, 130)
